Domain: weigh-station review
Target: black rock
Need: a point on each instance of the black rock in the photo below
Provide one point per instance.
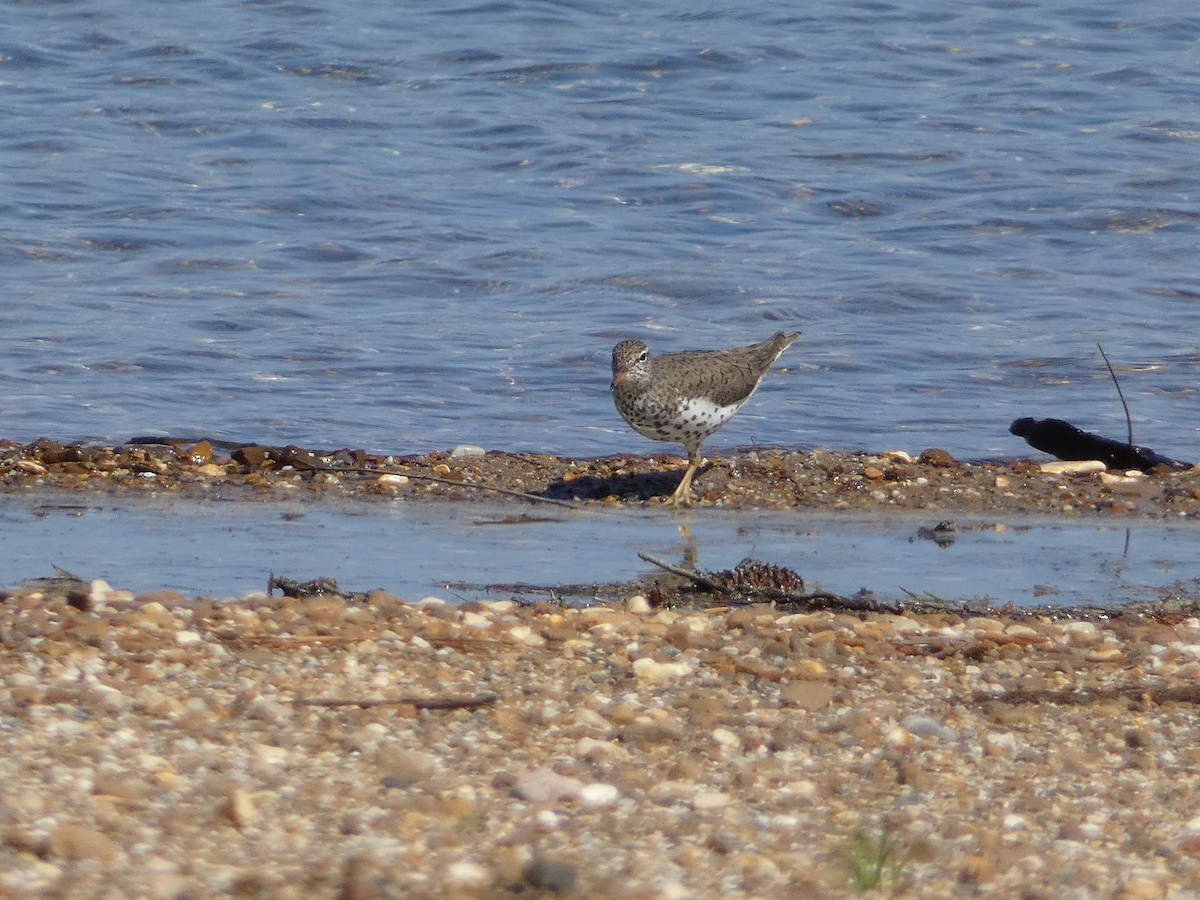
(1064, 440)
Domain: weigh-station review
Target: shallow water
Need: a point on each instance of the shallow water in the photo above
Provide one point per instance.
(480, 550)
(403, 227)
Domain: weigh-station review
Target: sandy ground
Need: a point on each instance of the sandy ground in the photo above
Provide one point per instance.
(167, 746)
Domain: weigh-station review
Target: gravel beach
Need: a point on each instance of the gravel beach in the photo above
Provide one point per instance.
(166, 746)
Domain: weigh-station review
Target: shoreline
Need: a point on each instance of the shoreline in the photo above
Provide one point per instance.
(771, 478)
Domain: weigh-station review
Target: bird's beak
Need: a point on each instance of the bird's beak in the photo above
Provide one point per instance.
(617, 379)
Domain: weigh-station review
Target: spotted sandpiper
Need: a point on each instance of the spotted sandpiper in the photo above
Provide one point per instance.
(687, 396)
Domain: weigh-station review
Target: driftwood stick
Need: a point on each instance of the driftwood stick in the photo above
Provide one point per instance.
(695, 577)
(418, 702)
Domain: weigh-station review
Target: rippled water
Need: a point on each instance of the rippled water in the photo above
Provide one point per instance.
(401, 226)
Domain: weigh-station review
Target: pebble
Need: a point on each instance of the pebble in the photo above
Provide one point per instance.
(546, 786)
(467, 875)
(706, 800)
(927, 727)
(811, 696)
(466, 450)
(1073, 467)
(551, 875)
(239, 809)
(650, 670)
(598, 794)
(638, 605)
(75, 841)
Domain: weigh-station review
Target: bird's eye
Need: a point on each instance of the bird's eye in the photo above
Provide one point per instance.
(642, 356)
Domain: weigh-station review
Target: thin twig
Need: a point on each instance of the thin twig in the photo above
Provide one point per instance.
(418, 702)
(1120, 393)
(695, 577)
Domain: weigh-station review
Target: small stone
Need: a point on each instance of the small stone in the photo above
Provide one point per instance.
(975, 870)
(546, 786)
(1142, 888)
(656, 672)
(935, 456)
(645, 731)
(1014, 822)
(466, 875)
(201, 453)
(807, 695)
(898, 738)
(74, 841)
(638, 605)
(1073, 467)
(726, 738)
(111, 786)
(425, 602)
(999, 743)
(392, 480)
(927, 727)
(98, 592)
(1104, 653)
(551, 875)
(238, 808)
(710, 800)
(466, 450)
(254, 457)
(1081, 634)
(401, 767)
(598, 794)
(186, 638)
(263, 709)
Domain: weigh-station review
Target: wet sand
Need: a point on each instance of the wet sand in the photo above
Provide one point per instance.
(377, 746)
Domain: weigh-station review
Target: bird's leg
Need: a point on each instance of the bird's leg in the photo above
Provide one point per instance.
(682, 495)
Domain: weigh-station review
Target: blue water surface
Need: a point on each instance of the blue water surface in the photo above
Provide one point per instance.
(405, 226)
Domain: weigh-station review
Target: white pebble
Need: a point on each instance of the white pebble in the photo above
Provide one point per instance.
(638, 605)
(546, 786)
(1073, 467)
(1013, 822)
(466, 450)
(711, 800)
(598, 794)
(726, 738)
(651, 670)
(467, 876)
